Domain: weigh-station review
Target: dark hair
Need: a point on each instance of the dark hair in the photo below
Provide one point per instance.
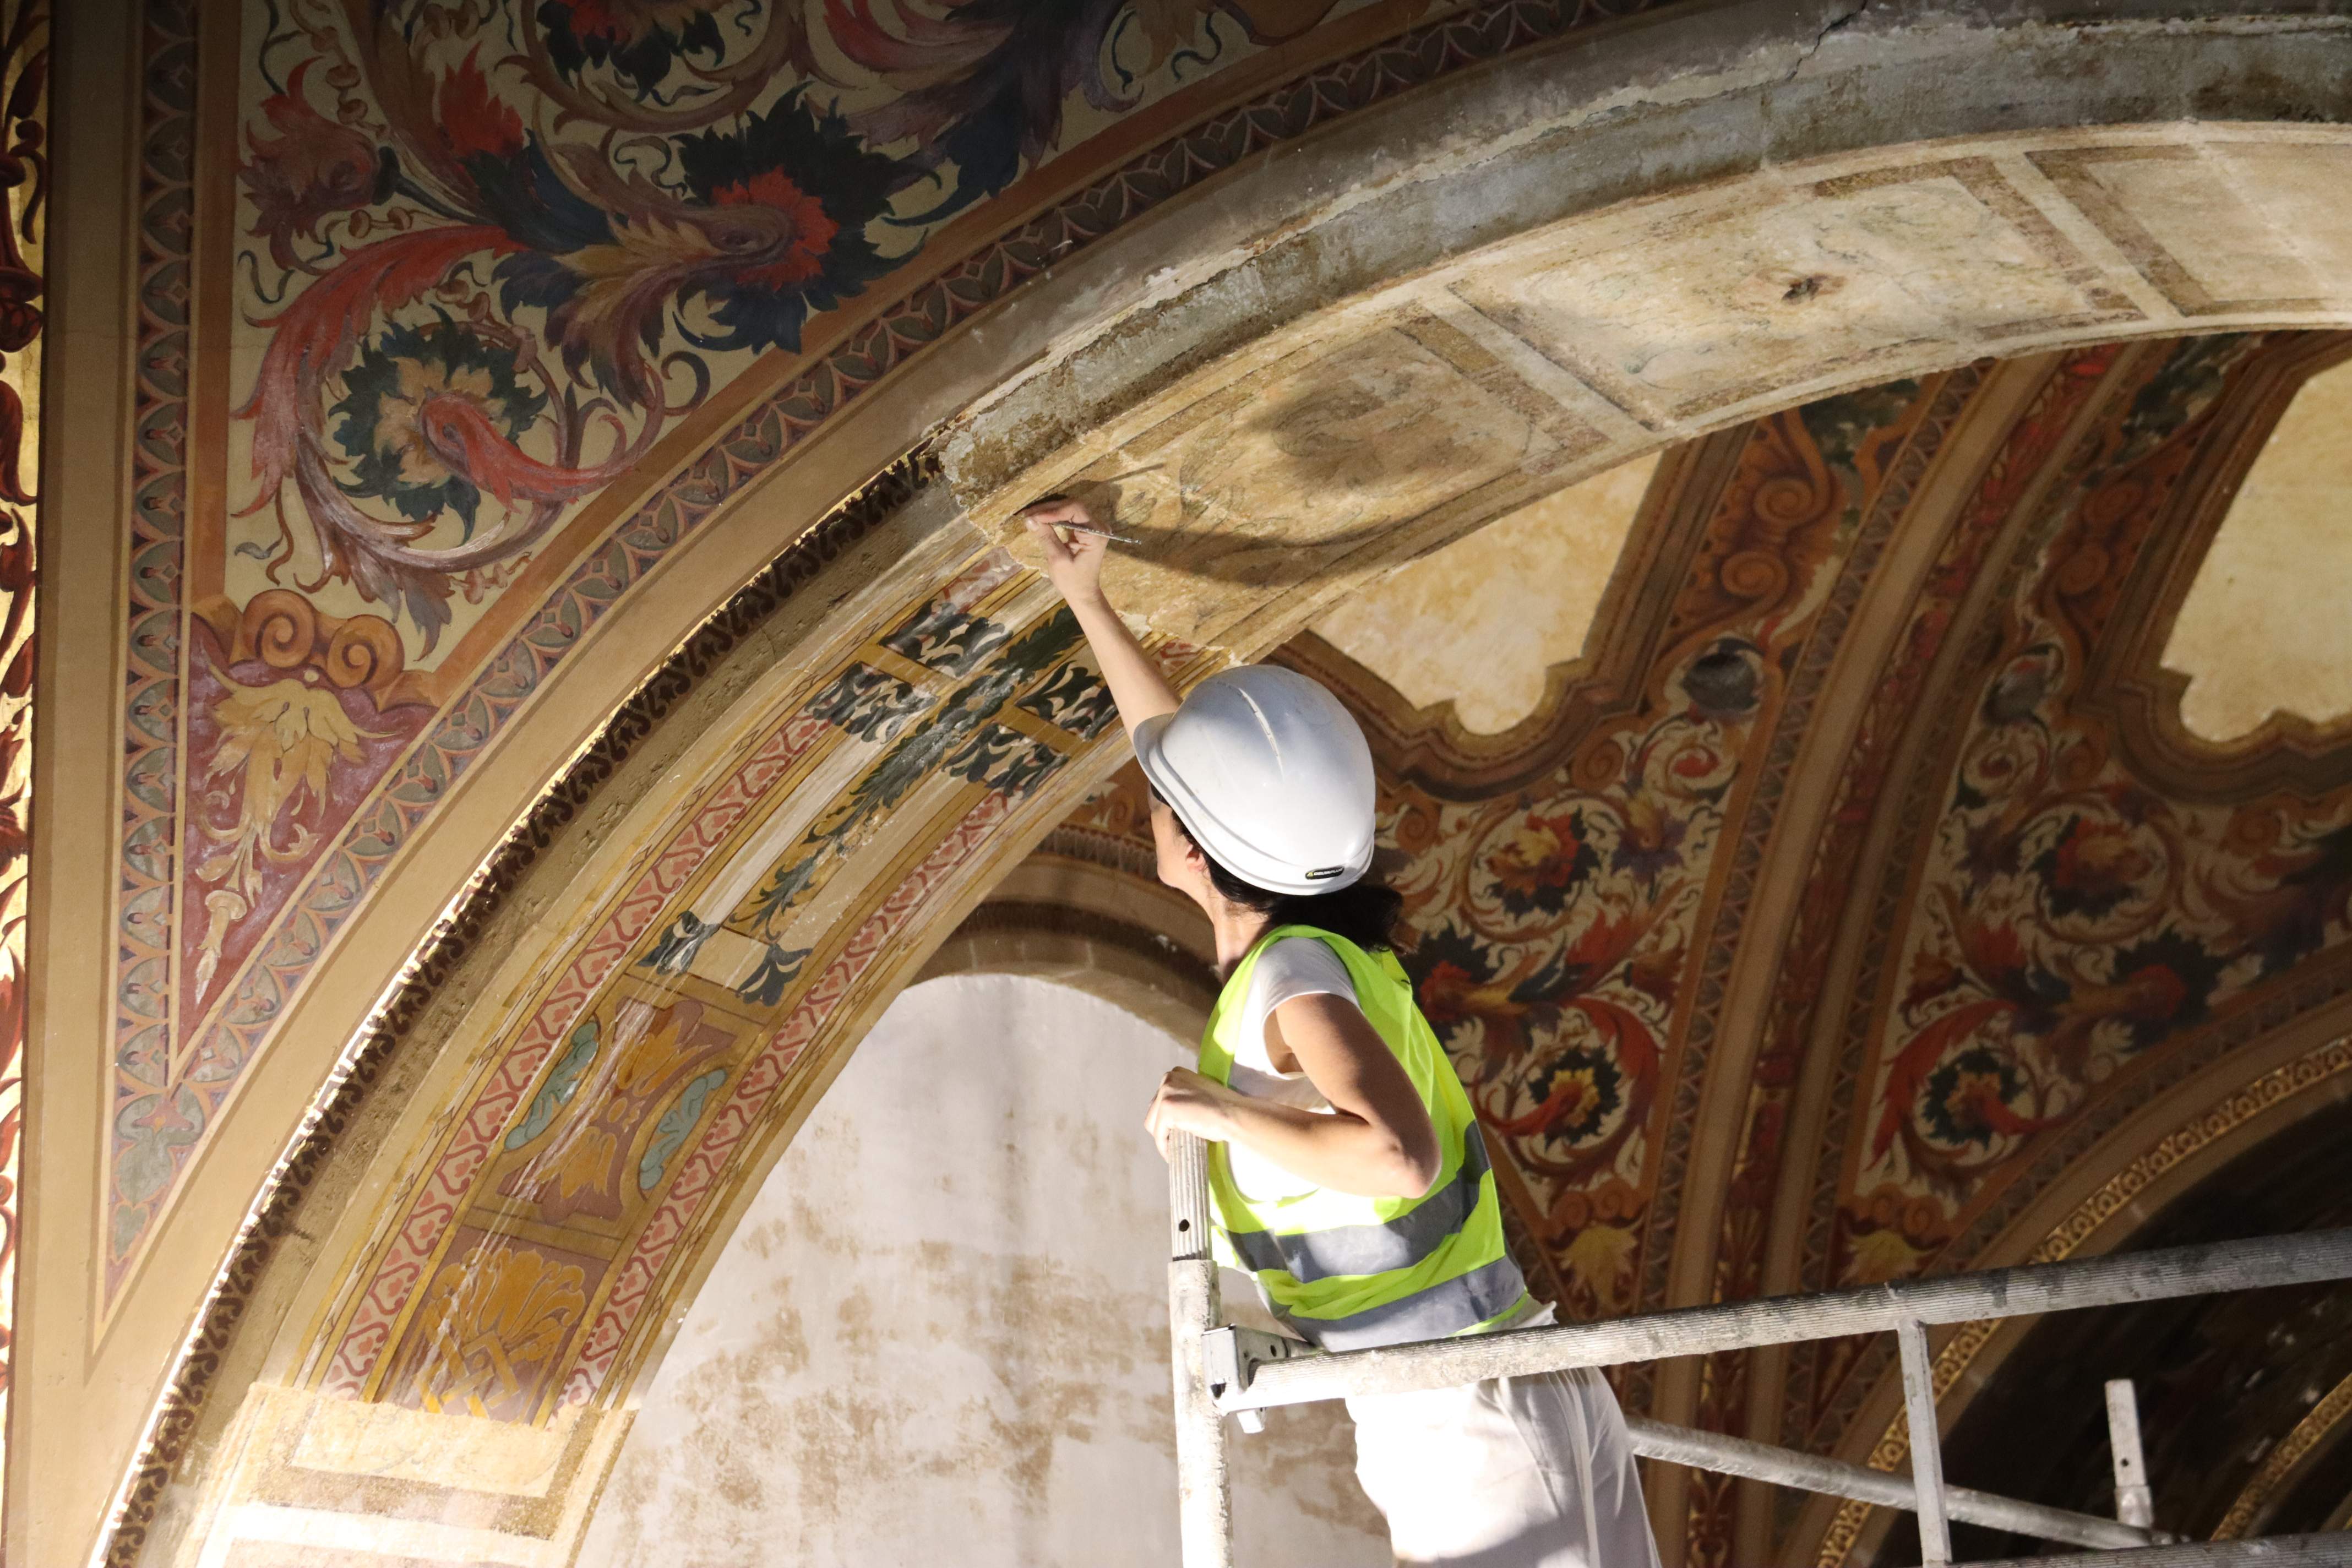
(1364, 911)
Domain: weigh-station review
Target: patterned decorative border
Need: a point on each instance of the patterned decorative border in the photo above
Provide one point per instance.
(1742, 853)
(657, 1244)
(1898, 489)
(1724, 1391)
(453, 1176)
(2277, 1003)
(2310, 1432)
(1724, 1377)
(25, 89)
(342, 878)
(343, 1095)
(147, 879)
(1918, 799)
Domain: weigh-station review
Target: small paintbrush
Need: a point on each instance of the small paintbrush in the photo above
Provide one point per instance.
(1079, 527)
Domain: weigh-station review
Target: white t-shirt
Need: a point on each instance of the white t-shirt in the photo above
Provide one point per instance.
(1296, 966)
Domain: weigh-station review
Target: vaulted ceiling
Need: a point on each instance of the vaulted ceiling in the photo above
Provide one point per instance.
(1856, 904)
(536, 655)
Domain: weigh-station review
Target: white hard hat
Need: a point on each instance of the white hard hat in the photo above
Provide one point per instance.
(1270, 775)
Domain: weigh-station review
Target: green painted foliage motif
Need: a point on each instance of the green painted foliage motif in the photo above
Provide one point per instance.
(562, 1083)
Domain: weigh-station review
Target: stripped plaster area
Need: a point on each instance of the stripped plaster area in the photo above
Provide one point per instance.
(1408, 325)
(1481, 623)
(937, 1334)
(2263, 629)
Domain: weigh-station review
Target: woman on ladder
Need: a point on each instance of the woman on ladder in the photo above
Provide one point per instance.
(1346, 1166)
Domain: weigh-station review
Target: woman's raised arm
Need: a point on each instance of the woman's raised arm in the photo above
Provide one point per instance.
(1074, 562)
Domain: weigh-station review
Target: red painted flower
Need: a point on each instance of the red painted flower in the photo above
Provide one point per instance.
(473, 122)
(2154, 993)
(1538, 864)
(1445, 994)
(810, 231)
(625, 21)
(2093, 866)
(312, 170)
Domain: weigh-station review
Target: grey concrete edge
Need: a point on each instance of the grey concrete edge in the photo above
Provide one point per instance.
(1684, 97)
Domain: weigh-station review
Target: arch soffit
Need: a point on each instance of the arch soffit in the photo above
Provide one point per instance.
(1420, 338)
(763, 706)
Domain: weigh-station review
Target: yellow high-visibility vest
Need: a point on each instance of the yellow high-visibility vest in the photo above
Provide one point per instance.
(1349, 1272)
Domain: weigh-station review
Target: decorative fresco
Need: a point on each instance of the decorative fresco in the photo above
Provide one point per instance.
(1553, 926)
(2059, 921)
(1821, 910)
(2066, 919)
(478, 288)
(498, 307)
(487, 257)
(24, 178)
(551, 1214)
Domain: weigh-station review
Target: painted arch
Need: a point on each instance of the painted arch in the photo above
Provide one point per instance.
(524, 1059)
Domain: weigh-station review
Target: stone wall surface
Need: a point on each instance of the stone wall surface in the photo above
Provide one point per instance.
(939, 1333)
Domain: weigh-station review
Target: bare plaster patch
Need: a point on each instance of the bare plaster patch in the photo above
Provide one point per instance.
(1481, 623)
(940, 1333)
(2264, 628)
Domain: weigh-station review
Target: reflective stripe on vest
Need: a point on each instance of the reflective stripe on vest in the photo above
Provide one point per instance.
(1399, 1242)
(1440, 1312)
(1349, 1272)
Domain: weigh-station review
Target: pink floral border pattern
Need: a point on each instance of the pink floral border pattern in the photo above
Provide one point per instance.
(485, 1121)
(24, 170)
(656, 1244)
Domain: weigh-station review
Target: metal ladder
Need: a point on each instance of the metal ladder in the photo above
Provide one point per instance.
(1221, 1370)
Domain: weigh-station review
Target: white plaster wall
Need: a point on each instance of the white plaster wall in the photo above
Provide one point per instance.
(2263, 628)
(1481, 622)
(939, 1335)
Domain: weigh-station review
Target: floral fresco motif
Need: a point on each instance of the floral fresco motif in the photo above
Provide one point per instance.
(482, 258)
(612, 1106)
(1553, 929)
(2056, 932)
(586, 1144)
(2073, 918)
(24, 182)
(1820, 912)
(496, 253)
(491, 1317)
(290, 731)
(957, 739)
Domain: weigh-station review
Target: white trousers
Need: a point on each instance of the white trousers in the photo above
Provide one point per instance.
(1515, 1472)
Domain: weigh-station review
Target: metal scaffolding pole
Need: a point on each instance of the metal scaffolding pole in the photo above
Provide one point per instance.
(2330, 1551)
(1223, 1370)
(1834, 1478)
(1927, 1442)
(2309, 1258)
(1203, 1491)
(2134, 1504)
